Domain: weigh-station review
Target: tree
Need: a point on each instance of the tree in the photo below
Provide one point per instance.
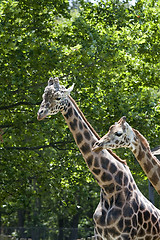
(111, 51)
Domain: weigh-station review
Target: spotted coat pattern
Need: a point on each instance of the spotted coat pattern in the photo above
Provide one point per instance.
(123, 135)
(123, 212)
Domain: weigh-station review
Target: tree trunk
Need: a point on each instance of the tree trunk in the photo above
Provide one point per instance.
(61, 225)
(21, 220)
(74, 232)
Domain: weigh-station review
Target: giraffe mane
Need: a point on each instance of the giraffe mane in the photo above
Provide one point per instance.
(95, 133)
(145, 144)
(142, 139)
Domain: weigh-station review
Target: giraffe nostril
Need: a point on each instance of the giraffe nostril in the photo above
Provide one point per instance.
(41, 112)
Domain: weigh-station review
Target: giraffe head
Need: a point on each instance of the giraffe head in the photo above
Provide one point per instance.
(119, 135)
(54, 98)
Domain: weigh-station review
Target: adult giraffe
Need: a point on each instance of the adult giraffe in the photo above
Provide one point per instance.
(123, 135)
(123, 212)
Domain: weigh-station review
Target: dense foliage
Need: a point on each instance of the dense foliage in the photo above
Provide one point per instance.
(111, 51)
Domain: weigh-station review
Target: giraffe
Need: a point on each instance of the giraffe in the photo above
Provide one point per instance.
(123, 213)
(123, 135)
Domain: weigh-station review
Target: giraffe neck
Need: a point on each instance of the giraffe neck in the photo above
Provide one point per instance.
(149, 163)
(103, 165)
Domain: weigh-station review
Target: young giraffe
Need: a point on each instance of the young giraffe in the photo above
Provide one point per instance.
(123, 135)
(123, 213)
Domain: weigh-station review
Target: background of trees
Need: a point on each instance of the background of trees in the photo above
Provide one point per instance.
(111, 51)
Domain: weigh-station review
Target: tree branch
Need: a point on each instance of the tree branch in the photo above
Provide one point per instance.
(12, 124)
(53, 145)
(19, 103)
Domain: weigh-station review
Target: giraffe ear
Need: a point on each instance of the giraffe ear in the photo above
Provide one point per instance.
(123, 119)
(54, 81)
(123, 123)
(69, 90)
(50, 81)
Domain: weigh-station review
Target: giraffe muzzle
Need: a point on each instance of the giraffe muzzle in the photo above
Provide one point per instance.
(97, 147)
(41, 114)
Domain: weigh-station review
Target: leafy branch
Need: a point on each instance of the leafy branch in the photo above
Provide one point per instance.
(52, 145)
(18, 104)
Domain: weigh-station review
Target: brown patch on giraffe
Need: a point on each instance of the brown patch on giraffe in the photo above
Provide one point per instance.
(89, 161)
(117, 141)
(109, 188)
(96, 171)
(87, 135)
(143, 146)
(106, 177)
(96, 162)
(113, 215)
(154, 219)
(125, 182)
(119, 177)
(140, 218)
(105, 232)
(146, 215)
(135, 139)
(122, 143)
(134, 230)
(157, 226)
(104, 162)
(149, 227)
(112, 168)
(149, 155)
(118, 188)
(73, 124)
(148, 166)
(112, 145)
(141, 232)
(154, 230)
(103, 217)
(120, 200)
(154, 179)
(145, 225)
(120, 224)
(70, 112)
(135, 208)
(85, 148)
(141, 154)
(79, 138)
(80, 125)
(134, 151)
(154, 162)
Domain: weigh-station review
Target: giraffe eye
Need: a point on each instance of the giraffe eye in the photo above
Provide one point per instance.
(58, 98)
(118, 134)
(47, 104)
